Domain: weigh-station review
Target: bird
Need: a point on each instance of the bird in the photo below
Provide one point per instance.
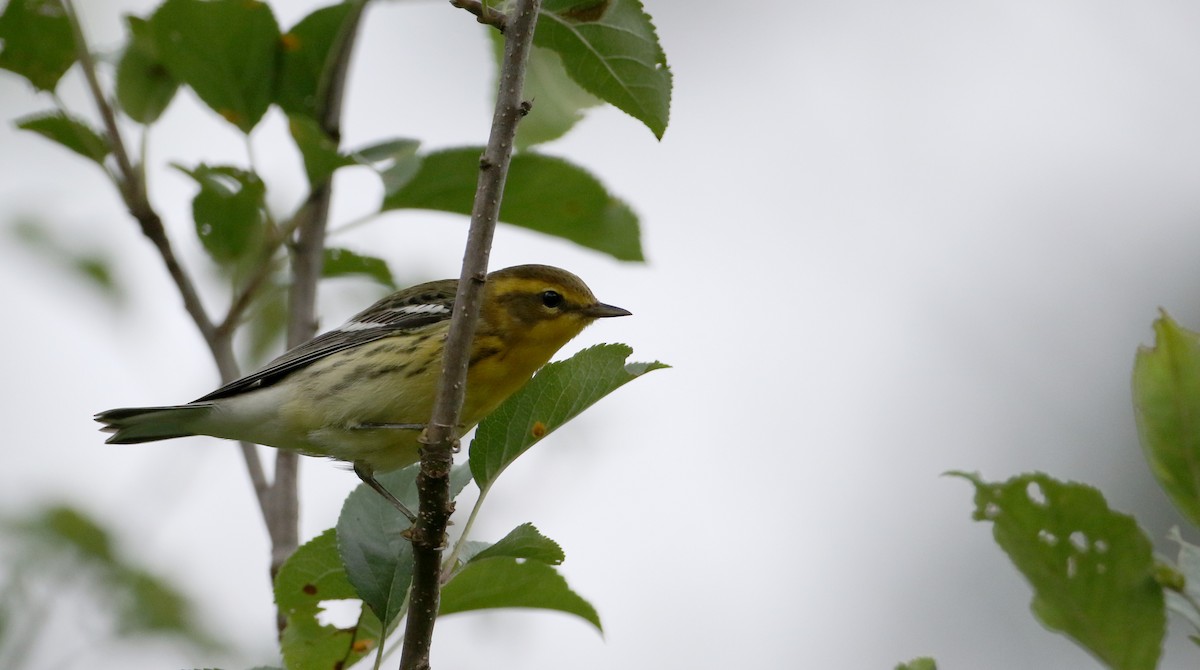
(361, 393)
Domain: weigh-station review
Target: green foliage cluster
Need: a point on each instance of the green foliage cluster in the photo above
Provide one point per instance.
(1093, 571)
(367, 557)
(55, 553)
(239, 62)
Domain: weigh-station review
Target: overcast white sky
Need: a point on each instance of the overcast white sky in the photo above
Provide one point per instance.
(886, 240)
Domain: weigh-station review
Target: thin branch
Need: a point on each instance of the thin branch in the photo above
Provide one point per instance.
(130, 181)
(440, 437)
(308, 257)
(132, 187)
(483, 13)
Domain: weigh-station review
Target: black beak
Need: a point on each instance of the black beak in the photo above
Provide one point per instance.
(601, 311)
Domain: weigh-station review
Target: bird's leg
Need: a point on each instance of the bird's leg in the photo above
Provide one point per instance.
(368, 477)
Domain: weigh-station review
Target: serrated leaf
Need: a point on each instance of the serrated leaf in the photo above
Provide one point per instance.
(396, 161)
(377, 558)
(305, 57)
(37, 41)
(611, 49)
(309, 577)
(343, 262)
(144, 85)
(555, 395)
(1091, 568)
(228, 211)
(1166, 403)
(542, 193)
(319, 151)
(524, 542)
(69, 132)
(558, 102)
(226, 50)
(507, 582)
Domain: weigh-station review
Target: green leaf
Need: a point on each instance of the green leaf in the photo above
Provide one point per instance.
(1166, 403)
(319, 150)
(396, 161)
(226, 50)
(507, 582)
(524, 542)
(1091, 568)
(542, 193)
(922, 663)
(558, 102)
(306, 53)
(309, 577)
(343, 262)
(144, 85)
(377, 557)
(37, 41)
(555, 395)
(610, 48)
(70, 132)
(228, 211)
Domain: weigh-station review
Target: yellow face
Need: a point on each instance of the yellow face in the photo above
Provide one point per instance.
(529, 312)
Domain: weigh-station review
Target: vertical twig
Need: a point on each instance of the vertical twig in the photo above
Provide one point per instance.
(440, 437)
(308, 257)
(278, 501)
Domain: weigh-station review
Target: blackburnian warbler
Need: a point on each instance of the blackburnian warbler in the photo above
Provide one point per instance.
(361, 393)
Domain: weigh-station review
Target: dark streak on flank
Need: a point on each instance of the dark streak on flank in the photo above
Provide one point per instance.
(419, 371)
(483, 353)
(375, 373)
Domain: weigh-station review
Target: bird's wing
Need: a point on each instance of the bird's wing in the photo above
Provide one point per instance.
(398, 313)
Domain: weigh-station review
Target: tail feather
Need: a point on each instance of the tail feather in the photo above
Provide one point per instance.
(131, 425)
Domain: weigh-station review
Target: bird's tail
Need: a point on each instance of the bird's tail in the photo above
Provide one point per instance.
(131, 425)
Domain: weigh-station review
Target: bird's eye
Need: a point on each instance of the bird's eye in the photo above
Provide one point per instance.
(552, 299)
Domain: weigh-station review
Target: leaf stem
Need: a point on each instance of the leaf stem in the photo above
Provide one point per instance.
(448, 564)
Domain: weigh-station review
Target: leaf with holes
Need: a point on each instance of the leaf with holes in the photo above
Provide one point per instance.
(378, 559)
(228, 211)
(226, 50)
(610, 48)
(555, 395)
(1091, 568)
(1166, 402)
(542, 193)
(36, 41)
(69, 132)
(310, 576)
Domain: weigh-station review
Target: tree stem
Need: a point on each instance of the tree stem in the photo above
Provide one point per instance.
(441, 435)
